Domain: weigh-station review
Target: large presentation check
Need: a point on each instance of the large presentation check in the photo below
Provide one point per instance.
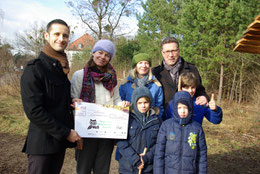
(101, 121)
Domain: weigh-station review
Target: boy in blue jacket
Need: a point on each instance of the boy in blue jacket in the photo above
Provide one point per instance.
(181, 146)
(213, 113)
(143, 128)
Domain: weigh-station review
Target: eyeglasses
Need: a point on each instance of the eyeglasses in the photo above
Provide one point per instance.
(168, 52)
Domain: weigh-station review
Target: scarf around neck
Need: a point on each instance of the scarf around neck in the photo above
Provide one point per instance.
(174, 70)
(92, 75)
(60, 56)
(141, 82)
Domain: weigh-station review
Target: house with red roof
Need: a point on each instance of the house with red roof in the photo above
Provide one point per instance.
(84, 42)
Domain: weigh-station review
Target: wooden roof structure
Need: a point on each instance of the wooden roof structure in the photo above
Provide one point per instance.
(250, 41)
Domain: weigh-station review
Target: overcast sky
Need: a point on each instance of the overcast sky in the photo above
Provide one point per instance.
(19, 15)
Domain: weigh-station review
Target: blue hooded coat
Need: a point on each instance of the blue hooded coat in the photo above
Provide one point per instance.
(142, 132)
(181, 147)
(199, 112)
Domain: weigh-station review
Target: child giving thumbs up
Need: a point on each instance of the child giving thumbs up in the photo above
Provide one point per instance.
(212, 103)
(212, 112)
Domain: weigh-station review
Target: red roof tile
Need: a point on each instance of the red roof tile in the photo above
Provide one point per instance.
(84, 41)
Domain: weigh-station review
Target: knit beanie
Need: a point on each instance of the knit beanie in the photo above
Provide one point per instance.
(105, 45)
(141, 57)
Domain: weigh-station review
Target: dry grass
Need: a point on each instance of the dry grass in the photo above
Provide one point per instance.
(12, 118)
(233, 145)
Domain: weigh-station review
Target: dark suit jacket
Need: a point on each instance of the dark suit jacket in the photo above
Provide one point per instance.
(45, 92)
(170, 87)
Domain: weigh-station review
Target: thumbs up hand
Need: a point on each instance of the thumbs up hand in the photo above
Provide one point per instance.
(212, 103)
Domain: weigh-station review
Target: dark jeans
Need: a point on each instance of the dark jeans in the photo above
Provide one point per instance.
(96, 156)
(45, 164)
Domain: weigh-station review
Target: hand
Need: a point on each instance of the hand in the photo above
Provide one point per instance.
(74, 101)
(80, 144)
(73, 136)
(212, 103)
(141, 154)
(125, 103)
(201, 100)
(141, 166)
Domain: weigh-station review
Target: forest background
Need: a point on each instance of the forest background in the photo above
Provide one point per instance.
(207, 31)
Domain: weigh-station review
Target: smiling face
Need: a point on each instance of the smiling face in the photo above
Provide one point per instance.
(101, 58)
(142, 68)
(143, 104)
(183, 110)
(57, 36)
(189, 89)
(170, 53)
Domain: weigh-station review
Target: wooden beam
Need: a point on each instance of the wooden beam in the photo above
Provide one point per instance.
(255, 24)
(247, 48)
(252, 37)
(254, 31)
(249, 42)
(257, 17)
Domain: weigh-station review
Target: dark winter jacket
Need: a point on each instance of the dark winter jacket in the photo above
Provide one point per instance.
(199, 111)
(142, 132)
(181, 147)
(169, 87)
(127, 87)
(45, 91)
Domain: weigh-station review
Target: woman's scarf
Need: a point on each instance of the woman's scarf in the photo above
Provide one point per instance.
(60, 56)
(91, 75)
(141, 82)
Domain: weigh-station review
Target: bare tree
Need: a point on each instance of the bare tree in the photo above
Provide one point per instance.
(6, 57)
(32, 40)
(103, 17)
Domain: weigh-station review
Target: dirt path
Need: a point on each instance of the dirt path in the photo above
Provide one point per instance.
(13, 161)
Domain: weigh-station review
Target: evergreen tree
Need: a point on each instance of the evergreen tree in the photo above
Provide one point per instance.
(159, 20)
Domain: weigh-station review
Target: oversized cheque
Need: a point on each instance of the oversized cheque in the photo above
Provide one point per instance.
(98, 121)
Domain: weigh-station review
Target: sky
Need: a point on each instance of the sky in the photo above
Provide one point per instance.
(17, 16)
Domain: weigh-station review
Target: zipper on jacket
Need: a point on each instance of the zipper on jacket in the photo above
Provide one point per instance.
(150, 121)
(182, 129)
(143, 126)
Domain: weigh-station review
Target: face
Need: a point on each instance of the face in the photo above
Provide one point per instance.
(143, 105)
(170, 53)
(190, 89)
(182, 110)
(142, 68)
(101, 58)
(57, 37)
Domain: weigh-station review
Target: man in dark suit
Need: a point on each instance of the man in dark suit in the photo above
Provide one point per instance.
(170, 69)
(45, 91)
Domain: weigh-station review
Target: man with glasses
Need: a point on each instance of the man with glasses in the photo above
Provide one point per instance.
(170, 69)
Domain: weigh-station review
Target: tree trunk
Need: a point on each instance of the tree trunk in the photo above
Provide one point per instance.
(220, 82)
(231, 97)
(241, 82)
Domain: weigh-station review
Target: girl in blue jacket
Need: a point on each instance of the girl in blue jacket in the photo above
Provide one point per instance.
(142, 133)
(212, 112)
(181, 147)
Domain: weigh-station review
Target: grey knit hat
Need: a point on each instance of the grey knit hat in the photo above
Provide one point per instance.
(105, 45)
